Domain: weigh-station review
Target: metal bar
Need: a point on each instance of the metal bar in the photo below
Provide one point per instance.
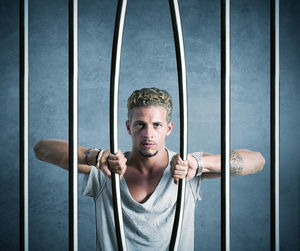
(73, 125)
(181, 70)
(274, 155)
(24, 233)
(113, 112)
(225, 125)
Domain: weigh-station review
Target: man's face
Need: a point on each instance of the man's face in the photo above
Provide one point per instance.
(149, 128)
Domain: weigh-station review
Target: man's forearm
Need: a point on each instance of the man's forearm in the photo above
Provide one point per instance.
(57, 152)
(242, 162)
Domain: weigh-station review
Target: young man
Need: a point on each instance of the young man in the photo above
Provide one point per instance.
(148, 170)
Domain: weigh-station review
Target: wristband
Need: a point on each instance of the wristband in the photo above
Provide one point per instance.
(98, 157)
(86, 155)
(198, 156)
(90, 163)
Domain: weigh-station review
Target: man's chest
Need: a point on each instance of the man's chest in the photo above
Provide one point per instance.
(141, 187)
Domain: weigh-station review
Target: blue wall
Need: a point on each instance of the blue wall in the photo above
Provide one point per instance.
(148, 59)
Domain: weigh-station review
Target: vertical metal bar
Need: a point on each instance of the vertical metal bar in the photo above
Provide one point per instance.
(73, 135)
(181, 70)
(225, 125)
(113, 112)
(274, 58)
(24, 233)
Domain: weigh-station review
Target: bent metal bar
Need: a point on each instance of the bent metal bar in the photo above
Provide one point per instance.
(114, 84)
(181, 70)
(113, 119)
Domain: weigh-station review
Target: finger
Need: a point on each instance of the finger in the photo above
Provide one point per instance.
(120, 153)
(112, 156)
(118, 169)
(173, 159)
(181, 162)
(105, 170)
(179, 171)
(191, 174)
(117, 155)
(181, 168)
(114, 162)
(115, 170)
(115, 165)
(104, 157)
(178, 158)
(123, 172)
(179, 174)
(122, 161)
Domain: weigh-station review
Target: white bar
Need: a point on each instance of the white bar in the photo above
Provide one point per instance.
(26, 97)
(227, 138)
(225, 134)
(275, 125)
(277, 108)
(73, 126)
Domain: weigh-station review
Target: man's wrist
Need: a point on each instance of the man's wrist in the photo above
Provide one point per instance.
(198, 157)
(91, 156)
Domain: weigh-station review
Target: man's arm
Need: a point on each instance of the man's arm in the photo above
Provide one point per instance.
(57, 152)
(242, 162)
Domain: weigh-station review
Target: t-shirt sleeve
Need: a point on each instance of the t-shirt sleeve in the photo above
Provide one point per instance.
(195, 184)
(93, 183)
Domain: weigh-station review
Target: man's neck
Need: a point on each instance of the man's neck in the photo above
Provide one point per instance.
(147, 165)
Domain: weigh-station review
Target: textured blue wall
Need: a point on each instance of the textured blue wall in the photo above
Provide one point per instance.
(148, 59)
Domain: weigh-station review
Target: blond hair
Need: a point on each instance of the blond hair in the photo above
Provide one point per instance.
(149, 97)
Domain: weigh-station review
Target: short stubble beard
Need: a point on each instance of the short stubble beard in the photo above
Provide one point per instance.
(148, 155)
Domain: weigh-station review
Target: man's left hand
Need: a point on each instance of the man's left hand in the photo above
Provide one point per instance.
(183, 169)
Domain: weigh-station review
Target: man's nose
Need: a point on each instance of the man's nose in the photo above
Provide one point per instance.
(148, 132)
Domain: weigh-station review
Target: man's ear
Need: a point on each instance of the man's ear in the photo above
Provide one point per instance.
(170, 127)
(128, 127)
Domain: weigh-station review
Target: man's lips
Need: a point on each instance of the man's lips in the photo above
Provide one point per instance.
(148, 144)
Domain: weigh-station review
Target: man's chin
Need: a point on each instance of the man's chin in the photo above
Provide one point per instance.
(148, 154)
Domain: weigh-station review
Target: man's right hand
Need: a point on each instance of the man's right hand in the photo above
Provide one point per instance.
(113, 163)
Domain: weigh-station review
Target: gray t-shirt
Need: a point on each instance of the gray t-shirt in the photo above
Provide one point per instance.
(147, 226)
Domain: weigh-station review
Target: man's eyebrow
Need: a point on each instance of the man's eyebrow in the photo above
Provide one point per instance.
(139, 121)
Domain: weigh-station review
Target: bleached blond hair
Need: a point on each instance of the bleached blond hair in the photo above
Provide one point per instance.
(150, 97)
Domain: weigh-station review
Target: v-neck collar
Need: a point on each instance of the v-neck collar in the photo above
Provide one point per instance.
(157, 189)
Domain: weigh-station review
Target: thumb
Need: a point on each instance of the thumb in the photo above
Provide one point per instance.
(106, 170)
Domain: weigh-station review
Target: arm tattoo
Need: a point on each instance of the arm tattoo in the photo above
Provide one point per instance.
(236, 163)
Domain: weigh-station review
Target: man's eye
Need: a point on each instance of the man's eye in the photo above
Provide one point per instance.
(156, 124)
(139, 125)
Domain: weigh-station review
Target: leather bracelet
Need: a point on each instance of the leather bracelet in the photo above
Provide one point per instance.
(90, 163)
